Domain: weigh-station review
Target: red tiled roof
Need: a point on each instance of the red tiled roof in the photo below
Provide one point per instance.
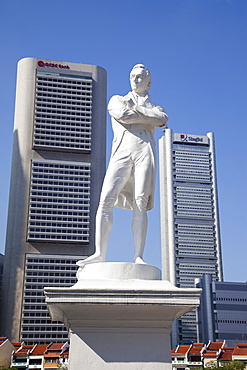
(196, 349)
(225, 356)
(3, 339)
(215, 345)
(51, 354)
(39, 349)
(27, 347)
(56, 347)
(17, 345)
(210, 354)
(23, 350)
(241, 345)
(182, 349)
(239, 351)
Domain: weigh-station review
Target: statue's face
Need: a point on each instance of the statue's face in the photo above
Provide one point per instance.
(139, 81)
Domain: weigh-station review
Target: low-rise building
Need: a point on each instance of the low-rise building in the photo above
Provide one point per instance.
(195, 354)
(225, 356)
(185, 357)
(20, 357)
(240, 353)
(198, 355)
(56, 354)
(36, 357)
(39, 356)
(211, 355)
(180, 357)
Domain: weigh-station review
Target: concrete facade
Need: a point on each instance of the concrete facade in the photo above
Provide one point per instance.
(190, 232)
(58, 165)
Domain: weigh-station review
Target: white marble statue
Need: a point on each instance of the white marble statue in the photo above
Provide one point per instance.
(130, 177)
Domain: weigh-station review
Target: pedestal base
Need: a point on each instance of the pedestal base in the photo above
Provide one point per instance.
(120, 348)
(120, 323)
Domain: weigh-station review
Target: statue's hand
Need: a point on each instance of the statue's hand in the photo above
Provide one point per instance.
(128, 102)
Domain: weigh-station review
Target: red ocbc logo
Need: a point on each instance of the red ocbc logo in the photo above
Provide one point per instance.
(53, 65)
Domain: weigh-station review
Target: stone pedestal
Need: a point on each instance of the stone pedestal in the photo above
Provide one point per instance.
(119, 316)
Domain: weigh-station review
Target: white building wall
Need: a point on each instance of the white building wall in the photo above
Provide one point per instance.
(6, 349)
(167, 207)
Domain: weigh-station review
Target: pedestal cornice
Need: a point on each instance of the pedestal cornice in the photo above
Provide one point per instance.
(143, 298)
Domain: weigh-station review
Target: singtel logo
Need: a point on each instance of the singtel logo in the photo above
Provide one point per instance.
(187, 138)
(53, 65)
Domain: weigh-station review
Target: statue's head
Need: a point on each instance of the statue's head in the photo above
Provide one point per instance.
(140, 79)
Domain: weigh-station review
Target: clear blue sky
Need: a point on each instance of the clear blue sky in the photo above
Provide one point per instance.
(197, 53)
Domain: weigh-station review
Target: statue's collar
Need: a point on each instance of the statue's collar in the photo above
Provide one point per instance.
(136, 96)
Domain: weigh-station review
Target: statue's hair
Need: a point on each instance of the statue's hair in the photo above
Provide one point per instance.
(147, 72)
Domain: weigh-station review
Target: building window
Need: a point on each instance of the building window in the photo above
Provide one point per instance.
(36, 313)
(59, 207)
(63, 112)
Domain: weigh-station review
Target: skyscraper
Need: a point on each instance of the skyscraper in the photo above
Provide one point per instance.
(190, 232)
(58, 165)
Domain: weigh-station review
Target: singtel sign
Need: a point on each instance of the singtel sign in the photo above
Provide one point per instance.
(52, 65)
(190, 138)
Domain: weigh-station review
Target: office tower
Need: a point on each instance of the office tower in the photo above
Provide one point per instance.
(190, 234)
(58, 165)
(222, 312)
